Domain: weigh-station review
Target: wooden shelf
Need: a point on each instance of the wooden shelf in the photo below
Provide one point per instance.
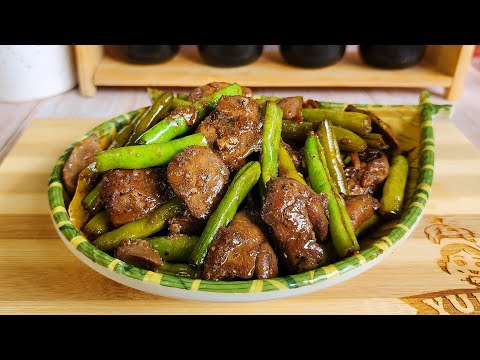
(444, 66)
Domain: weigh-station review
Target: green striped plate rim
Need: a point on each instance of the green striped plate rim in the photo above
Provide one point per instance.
(416, 119)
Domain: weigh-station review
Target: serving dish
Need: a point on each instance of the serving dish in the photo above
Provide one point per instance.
(414, 128)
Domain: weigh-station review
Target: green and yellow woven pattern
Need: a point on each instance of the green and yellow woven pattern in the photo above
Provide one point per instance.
(413, 125)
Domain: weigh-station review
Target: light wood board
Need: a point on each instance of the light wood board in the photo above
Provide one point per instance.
(41, 276)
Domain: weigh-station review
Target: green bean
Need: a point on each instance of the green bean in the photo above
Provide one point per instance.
(348, 140)
(92, 202)
(174, 247)
(208, 103)
(263, 99)
(158, 109)
(182, 96)
(378, 126)
(143, 156)
(174, 125)
(394, 188)
(367, 224)
(297, 131)
(340, 225)
(154, 93)
(98, 225)
(286, 167)
(356, 122)
(142, 228)
(332, 156)
(375, 141)
(87, 178)
(176, 102)
(272, 129)
(178, 123)
(179, 269)
(241, 185)
(126, 132)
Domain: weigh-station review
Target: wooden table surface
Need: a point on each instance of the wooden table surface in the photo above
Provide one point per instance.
(437, 269)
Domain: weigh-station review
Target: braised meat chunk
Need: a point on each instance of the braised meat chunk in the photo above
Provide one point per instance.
(298, 217)
(82, 155)
(240, 251)
(209, 89)
(365, 177)
(199, 178)
(266, 265)
(266, 228)
(129, 195)
(360, 208)
(138, 252)
(311, 104)
(189, 113)
(234, 129)
(185, 223)
(292, 108)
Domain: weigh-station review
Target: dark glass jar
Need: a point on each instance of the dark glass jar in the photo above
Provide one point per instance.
(392, 56)
(146, 54)
(229, 55)
(312, 56)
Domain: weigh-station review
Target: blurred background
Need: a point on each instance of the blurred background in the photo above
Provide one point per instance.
(102, 81)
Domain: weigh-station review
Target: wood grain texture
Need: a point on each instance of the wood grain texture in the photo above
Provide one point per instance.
(40, 275)
(187, 69)
(464, 59)
(88, 58)
(12, 118)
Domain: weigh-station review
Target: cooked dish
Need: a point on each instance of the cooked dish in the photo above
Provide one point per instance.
(221, 184)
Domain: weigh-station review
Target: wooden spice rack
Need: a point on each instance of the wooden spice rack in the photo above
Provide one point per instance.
(443, 66)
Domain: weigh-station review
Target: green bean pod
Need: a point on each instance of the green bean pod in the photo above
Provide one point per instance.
(154, 93)
(178, 124)
(98, 225)
(143, 156)
(142, 228)
(180, 270)
(158, 109)
(356, 122)
(297, 131)
(348, 140)
(126, 132)
(182, 96)
(394, 188)
(332, 156)
(167, 129)
(375, 141)
(241, 185)
(263, 99)
(92, 201)
(272, 130)
(208, 103)
(176, 102)
(367, 224)
(340, 225)
(286, 167)
(174, 247)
